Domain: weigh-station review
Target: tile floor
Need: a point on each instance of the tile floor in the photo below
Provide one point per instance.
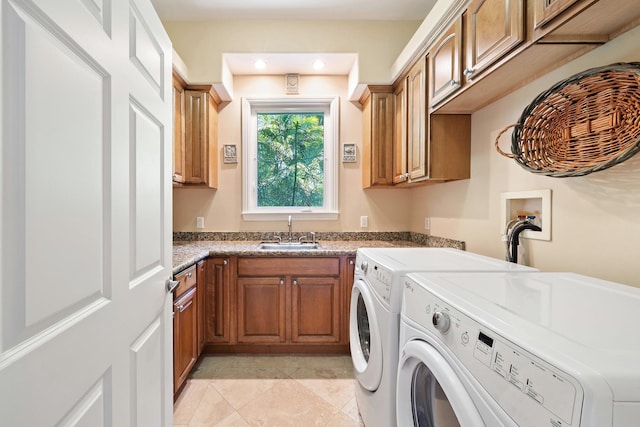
(269, 391)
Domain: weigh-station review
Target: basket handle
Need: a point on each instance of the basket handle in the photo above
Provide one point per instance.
(509, 155)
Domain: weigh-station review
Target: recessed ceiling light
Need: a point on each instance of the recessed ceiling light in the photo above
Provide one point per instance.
(260, 64)
(318, 65)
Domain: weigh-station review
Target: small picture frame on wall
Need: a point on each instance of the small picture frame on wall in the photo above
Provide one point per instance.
(291, 84)
(348, 153)
(230, 154)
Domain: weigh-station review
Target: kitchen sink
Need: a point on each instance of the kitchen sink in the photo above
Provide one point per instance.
(294, 246)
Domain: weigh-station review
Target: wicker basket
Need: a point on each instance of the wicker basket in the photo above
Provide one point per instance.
(584, 124)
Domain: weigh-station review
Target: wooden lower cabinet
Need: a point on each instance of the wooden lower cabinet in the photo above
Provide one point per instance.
(201, 279)
(219, 301)
(185, 336)
(349, 270)
(315, 309)
(261, 309)
(276, 304)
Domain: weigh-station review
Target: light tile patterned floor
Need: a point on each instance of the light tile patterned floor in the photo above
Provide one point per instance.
(269, 391)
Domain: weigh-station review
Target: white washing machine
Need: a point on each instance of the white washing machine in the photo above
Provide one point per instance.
(375, 317)
(512, 349)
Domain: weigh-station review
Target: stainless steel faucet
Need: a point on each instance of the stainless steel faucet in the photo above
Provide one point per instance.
(290, 234)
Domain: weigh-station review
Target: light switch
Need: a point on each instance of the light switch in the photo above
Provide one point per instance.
(199, 222)
(364, 221)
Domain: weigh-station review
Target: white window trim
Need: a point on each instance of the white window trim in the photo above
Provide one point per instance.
(250, 210)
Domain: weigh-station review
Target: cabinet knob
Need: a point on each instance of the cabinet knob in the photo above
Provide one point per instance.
(351, 262)
(468, 72)
(189, 274)
(295, 282)
(452, 83)
(282, 281)
(225, 262)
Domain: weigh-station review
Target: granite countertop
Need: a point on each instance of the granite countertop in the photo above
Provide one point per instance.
(187, 253)
(189, 248)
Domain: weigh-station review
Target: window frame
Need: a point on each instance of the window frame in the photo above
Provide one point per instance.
(250, 107)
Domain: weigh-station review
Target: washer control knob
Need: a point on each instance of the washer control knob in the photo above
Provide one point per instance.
(441, 321)
(364, 266)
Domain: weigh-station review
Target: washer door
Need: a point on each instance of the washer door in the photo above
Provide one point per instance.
(364, 336)
(429, 392)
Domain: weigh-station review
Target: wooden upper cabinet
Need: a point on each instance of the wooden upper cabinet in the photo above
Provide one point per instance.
(582, 22)
(450, 145)
(492, 29)
(417, 152)
(445, 63)
(546, 10)
(400, 173)
(178, 128)
(377, 141)
(195, 136)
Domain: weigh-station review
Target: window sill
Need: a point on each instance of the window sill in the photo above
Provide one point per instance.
(298, 216)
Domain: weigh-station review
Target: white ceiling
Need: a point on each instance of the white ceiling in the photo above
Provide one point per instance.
(296, 63)
(386, 10)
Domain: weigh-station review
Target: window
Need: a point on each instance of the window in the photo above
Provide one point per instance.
(289, 158)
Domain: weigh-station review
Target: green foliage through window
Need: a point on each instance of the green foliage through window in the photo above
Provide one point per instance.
(290, 159)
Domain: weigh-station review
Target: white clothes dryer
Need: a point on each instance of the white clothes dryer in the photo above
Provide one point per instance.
(513, 349)
(375, 317)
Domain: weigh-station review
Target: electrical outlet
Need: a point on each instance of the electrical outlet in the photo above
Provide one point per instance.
(364, 221)
(199, 222)
(427, 223)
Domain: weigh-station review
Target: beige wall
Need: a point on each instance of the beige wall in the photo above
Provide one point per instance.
(377, 43)
(595, 218)
(387, 210)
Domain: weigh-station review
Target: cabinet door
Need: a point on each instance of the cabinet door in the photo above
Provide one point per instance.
(218, 302)
(416, 141)
(378, 138)
(450, 144)
(178, 129)
(348, 286)
(196, 130)
(493, 28)
(382, 137)
(261, 309)
(315, 311)
(185, 336)
(201, 274)
(400, 173)
(546, 10)
(445, 58)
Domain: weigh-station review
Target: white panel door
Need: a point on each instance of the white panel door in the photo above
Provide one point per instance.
(85, 218)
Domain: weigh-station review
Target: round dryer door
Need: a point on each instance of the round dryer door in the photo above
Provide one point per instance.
(429, 391)
(364, 337)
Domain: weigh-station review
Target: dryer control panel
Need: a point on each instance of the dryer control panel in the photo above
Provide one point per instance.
(529, 389)
(379, 277)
